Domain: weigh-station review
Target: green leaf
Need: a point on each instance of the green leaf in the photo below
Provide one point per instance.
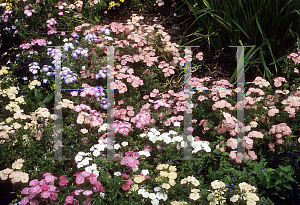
(48, 98)
(210, 169)
(278, 182)
(287, 186)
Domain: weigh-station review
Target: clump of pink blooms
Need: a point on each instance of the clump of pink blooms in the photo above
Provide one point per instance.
(45, 190)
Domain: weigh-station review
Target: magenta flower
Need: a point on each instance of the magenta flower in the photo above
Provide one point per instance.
(25, 191)
(62, 177)
(125, 186)
(34, 202)
(128, 153)
(63, 183)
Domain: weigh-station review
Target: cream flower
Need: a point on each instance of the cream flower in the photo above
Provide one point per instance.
(183, 181)
(172, 175)
(163, 174)
(194, 196)
(84, 131)
(172, 182)
(139, 179)
(235, 198)
(172, 169)
(165, 186)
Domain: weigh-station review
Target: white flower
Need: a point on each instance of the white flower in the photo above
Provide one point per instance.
(117, 173)
(78, 158)
(96, 173)
(142, 135)
(134, 169)
(165, 197)
(81, 153)
(145, 172)
(65, 40)
(167, 140)
(159, 195)
(49, 42)
(89, 169)
(206, 147)
(177, 124)
(145, 194)
(141, 191)
(155, 201)
(152, 196)
(92, 149)
(124, 144)
(117, 146)
(157, 188)
(102, 194)
(79, 165)
(85, 162)
(96, 153)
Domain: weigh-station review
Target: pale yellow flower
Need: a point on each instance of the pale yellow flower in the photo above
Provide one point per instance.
(17, 125)
(183, 181)
(7, 171)
(84, 131)
(163, 173)
(134, 187)
(172, 175)
(195, 190)
(20, 100)
(4, 135)
(172, 182)
(194, 196)
(235, 198)
(24, 177)
(243, 186)
(139, 179)
(9, 119)
(251, 202)
(160, 167)
(165, 166)
(195, 182)
(172, 169)
(3, 176)
(165, 186)
(11, 96)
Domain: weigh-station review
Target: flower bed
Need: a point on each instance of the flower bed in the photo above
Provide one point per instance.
(149, 122)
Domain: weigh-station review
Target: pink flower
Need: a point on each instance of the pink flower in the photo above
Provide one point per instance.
(60, 13)
(74, 93)
(45, 187)
(25, 200)
(128, 153)
(45, 194)
(63, 183)
(127, 176)
(28, 13)
(50, 178)
(87, 192)
(136, 154)
(79, 180)
(125, 186)
(33, 182)
(85, 174)
(77, 192)
(36, 189)
(34, 202)
(69, 199)
(62, 177)
(25, 191)
(93, 180)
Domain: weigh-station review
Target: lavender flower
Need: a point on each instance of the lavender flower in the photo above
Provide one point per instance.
(83, 68)
(25, 78)
(45, 80)
(74, 55)
(97, 76)
(75, 35)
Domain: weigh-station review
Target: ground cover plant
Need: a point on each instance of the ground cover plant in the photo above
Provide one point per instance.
(148, 122)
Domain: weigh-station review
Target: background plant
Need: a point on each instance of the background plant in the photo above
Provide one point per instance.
(248, 23)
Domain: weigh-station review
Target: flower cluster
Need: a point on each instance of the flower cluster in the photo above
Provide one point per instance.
(43, 189)
(15, 174)
(279, 130)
